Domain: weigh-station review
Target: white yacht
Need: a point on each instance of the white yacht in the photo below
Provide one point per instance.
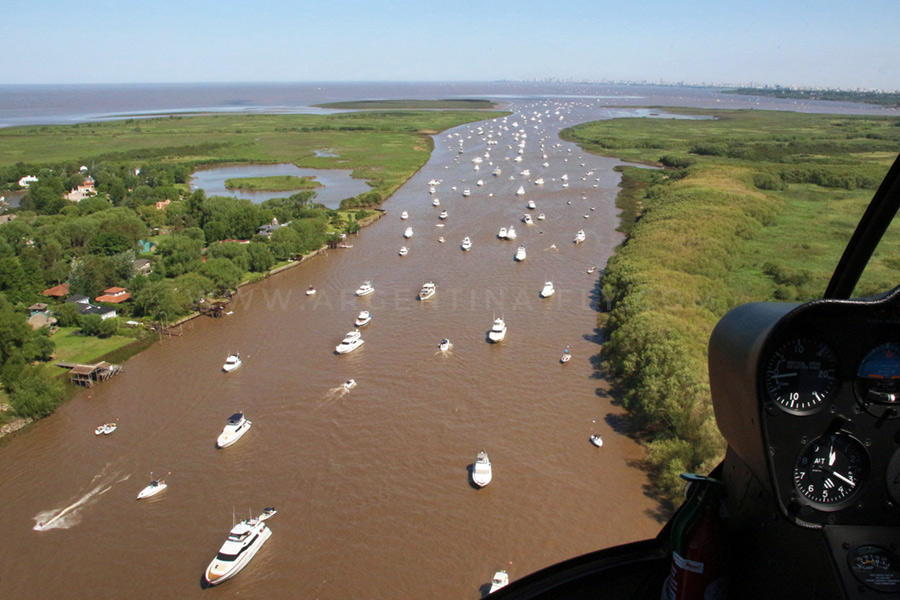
(244, 541)
(105, 429)
(520, 191)
(466, 193)
(310, 291)
(498, 331)
(428, 290)
(363, 318)
(154, 487)
(349, 384)
(548, 290)
(444, 345)
(443, 215)
(481, 470)
(351, 342)
(579, 237)
(496, 172)
(436, 202)
(502, 233)
(539, 181)
(403, 251)
(232, 363)
(404, 215)
(511, 233)
(500, 580)
(365, 289)
(236, 427)
(597, 440)
(466, 243)
(479, 183)
(531, 205)
(408, 233)
(520, 254)
(541, 217)
(526, 218)
(441, 239)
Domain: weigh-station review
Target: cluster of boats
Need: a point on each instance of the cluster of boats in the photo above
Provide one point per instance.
(105, 429)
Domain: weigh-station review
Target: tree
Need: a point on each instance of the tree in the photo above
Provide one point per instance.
(91, 275)
(67, 315)
(179, 254)
(285, 243)
(35, 394)
(14, 281)
(223, 273)
(108, 328)
(259, 257)
(90, 324)
(107, 243)
(234, 251)
(214, 231)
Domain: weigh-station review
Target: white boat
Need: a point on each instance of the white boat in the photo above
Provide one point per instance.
(531, 205)
(351, 342)
(548, 290)
(404, 215)
(526, 218)
(267, 513)
(403, 251)
(154, 487)
(365, 289)
(436, 202)
(232, 363)
(597, 440)
(520, 254)
(444, 345)
(496, 172)
(565, 177)
(498, 331)
(349, 384)
(310, 291)
(502, 233)
(408, 233)
(434, 182)
(511, 233)
(428, 290)
(441, 239)
(431, 190)
(579, 237)
(244, 541)
(236, 427)
(539, 181)
(481, 470)
(466, 243)
(363, 318)
(520, 191)
(591, 270)
(566, 356)
(541, 217)
(480, 182)
(443, 215)
(466, 193)
(526, 173)
(500, 580)
(105, 429)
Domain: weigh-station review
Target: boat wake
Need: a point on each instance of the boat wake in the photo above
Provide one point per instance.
(69, 516)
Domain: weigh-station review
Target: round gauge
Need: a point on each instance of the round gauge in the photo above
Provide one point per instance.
(875, 567)
(831, 470)
(801, 375)
(878, 376)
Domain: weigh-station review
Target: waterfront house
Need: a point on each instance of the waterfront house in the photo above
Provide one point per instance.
(85, 307)
(84, 190)
(27, 180)
(114, 295)
(57, 291)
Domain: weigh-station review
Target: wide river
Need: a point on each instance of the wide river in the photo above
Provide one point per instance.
(372, 485)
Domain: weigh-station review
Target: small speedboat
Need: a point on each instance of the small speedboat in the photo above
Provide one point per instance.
(105, 429)
(520, 254)
(502, 233)
(408, 233)
(548, 290)
(365, 289)
(403, 251)
(526, 218)
(311, 291)
(441, 239)
(444, 345)
(511, 233)
(579, 237)
(500, 580)
(466, 193)
(232, 363)
(443, 215)
(541, 217)
(481, 470)
(428, 290)
(404, 215)
(363, 318)
(235, 428)
(498, 331)
(349, 384)
(154, 487)
(436, 202)
(520, 191)
(591, 270)
(244, 541)
(531, 205)
(267, 513)
(596, 440)
(351, 342)
(566, 356)
(466, 243)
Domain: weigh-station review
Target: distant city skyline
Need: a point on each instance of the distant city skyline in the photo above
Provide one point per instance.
(822, 44)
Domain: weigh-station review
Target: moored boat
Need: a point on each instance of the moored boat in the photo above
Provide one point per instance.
(500, 580)
(466, 243)
(244, 541)
(408, 233)
(498, 330)
(235, 428)
(520, 254)
(566, 356)
(404, 215)
(105, 429)
(443, 215)
(579, 237)
(351, 342)
(403, 251)
(363, 318)
(365, 289)
(428, 290)
(444, 345)
(526, 218)
(502, 233)
(511, 233)
(232, 363)
(531, 205)
(481, 470)
(310, 291)
(597, 440)
(548, 290)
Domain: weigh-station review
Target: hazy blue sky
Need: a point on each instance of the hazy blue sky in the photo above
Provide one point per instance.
(822, 43)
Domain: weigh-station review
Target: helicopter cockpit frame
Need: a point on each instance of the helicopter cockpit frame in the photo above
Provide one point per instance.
(807, 397)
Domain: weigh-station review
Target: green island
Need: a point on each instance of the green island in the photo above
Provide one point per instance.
(744, 206)
(276, 183)
(111, 213)
(459, 104)
(886, 99)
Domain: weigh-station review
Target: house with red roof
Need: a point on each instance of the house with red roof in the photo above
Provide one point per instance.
(114, 295)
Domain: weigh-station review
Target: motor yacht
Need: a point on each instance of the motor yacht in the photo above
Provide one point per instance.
(403, 251)
(351, 342)
(363, 318)
(548, 290)
(428, 290)
(597, 440)
(235, 428)
(466, 193)
(526, 218)
(579, 237)
(541, 217)
(481, 470)
(502, 233)
(365, 289)
(520, 254)
(436, 202)
(531, 205)
(232, 363)
(408, 233)
(520, 191)
(500, 580)
(310, 291)
(443, 215)
(444, 345)
(466, 243)
(349, 384)
(244, 541)
(404, 215)
(496, 172)
(511, 233)
(539, 181)
(154, 487)
(498, 331)
(441, 240)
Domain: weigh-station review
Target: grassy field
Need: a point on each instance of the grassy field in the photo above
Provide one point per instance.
(750, 205)
(277, 183)
(71, 346)
(461, 104)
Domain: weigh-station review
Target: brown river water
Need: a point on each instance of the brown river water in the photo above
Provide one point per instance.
(372, 485)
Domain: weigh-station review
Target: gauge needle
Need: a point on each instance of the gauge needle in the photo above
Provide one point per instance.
(784, 375)
(831, 456)
(844, 479)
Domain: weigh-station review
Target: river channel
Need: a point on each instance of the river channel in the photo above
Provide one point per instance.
(372, 485)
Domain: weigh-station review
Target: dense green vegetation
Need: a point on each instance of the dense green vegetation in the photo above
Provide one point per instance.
(749, 206)
(888, 99)
(197, 248)
(458, 104)
(276, 183)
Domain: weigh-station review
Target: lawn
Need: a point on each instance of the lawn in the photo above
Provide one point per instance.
(72, 346)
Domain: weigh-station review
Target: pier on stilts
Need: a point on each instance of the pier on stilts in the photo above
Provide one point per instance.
(88, 375)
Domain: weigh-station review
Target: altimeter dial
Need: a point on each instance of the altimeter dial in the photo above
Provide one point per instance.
(801, 375)
(831, 470)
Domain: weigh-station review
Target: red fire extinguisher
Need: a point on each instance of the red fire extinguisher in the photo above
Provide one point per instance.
(699, 569)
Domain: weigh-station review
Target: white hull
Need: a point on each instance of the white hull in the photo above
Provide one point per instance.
(233, 432)
(220, 570)
(152, 490)
(349, 347)
(481, 470)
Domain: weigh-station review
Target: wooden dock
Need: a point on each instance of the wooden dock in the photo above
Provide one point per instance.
(88, 375)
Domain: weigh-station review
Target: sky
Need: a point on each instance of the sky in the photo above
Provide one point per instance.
(821, 43)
